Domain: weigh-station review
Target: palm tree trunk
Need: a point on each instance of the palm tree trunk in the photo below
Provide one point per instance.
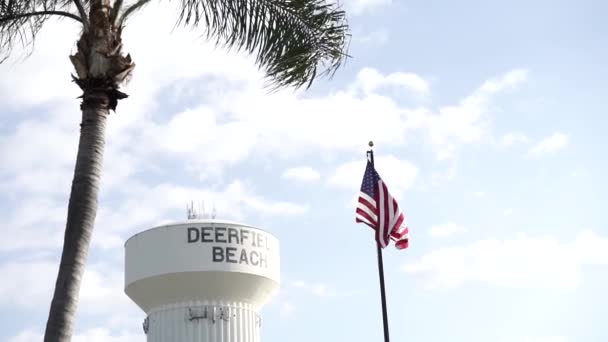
(82, 210)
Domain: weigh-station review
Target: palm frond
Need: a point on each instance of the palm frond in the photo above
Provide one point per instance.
(139, 4)
(21, 20)
(295, 40)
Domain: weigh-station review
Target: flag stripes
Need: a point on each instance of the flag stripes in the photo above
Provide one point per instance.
(377, 208)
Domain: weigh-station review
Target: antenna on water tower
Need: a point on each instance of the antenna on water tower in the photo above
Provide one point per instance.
(194, 214)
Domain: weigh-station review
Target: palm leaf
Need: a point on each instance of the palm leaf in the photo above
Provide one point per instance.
(294, 40)
(21, 20)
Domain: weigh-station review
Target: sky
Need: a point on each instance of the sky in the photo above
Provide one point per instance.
(489, 124)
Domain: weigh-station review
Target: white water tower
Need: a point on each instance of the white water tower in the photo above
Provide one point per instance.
(202, 280)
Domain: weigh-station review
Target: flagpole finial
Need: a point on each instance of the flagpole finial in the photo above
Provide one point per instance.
(370, 143)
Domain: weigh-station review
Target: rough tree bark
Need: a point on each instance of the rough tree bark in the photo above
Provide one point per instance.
(82, 210)
(101, 68)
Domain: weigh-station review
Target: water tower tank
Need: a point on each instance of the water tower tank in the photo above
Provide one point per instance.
(202, 280)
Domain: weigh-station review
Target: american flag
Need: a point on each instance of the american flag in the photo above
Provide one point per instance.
(379, 210)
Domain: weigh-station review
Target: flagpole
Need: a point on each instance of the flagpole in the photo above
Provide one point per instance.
(370, 153)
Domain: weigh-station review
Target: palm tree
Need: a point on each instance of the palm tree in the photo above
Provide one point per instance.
(294, 42)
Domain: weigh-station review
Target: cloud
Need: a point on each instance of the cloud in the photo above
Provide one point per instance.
(238, 117)
(511, 79)
(183, 138)
(286, 310)
(359, 7)
(370, 80)
(251, 121)
(464, 123)
(39, 222)
(322, 290)
(550, 144)
(48, 65)
(446, 230)
(480, 194)
(522, 262)
(302, 173)
(144, 206)
(398, 174)
(537, 339)
(376, 37)
(43, 80)
(91, 335)
(45, 76)
(35, 222)
(237, 120)
(102, 301)
(294, 293)
(545, 339)
(35, 158)
(440, 177)
(334, 122)
(513, 138)
(32, 282)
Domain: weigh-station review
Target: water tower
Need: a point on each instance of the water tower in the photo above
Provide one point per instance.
(202, 279)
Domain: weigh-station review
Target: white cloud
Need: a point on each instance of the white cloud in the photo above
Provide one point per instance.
(509, 80)
(44, 80)
(102, 290)
(27, 336)
(286, 310)
(446, 229)
(91, 335)
(480, 194)
(144, 206)
(338, 121)
(523, 262)
(295, 292)
(229, 128)
(302, 173)
(318, 289)
(376, 37)
(440, 177)
(45, 76)
(102, 335)
(335, 122)
(398, 174)
(48, 65)
(550, 144)
(30, 283)
(274, 208)
(299, 284)
(513, 138)
(196, 136)
(35, 158)
(537, 339)
(358, 7)
(101, 294)
(545, 339)
(39, 223)
(38, 155)
(322, 290)
(464, 123)
(370, 80)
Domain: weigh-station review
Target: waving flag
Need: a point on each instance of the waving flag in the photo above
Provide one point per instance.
(379, 210)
